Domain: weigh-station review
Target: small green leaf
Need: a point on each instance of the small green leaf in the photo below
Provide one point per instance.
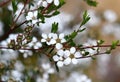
(55, 13)
(41, 17)
(100, 42)
(114, 44)
(93, 58)
(14, 5)
(86, 18)
(81, 30)
(54, 27)
(86, 53)
(73, 35)
(91, 2)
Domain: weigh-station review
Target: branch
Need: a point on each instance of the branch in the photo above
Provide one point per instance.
(4, 2)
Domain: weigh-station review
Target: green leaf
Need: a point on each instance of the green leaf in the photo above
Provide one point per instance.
(114, 44)
(91, 2)
(86, 18)
(73, 35)
(100, 42)
(41, 17)
(81, 30)
(56, 13)
(14, 5)
(54, 27)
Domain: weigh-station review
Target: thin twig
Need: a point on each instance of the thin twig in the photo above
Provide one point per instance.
(4, 2)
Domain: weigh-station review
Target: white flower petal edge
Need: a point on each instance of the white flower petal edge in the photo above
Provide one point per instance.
(60, 64)
(56, 2)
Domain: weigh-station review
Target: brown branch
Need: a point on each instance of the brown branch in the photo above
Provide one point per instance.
(98, 46)
(1, 47)
(91, 55)
(4, 2)
(10, 31)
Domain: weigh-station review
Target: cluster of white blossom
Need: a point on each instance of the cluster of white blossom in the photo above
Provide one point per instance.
(47, 70)
(66, 57)
(44, 3)
(33, 44)
(32, 17)
(78, 77)
(11, 37)
(54, 39)
(91, 42)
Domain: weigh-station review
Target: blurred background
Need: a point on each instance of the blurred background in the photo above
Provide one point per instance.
(103, 25)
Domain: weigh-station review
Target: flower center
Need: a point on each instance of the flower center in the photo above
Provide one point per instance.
(71, 56)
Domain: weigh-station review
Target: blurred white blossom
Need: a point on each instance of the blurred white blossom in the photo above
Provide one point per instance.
(110, 16)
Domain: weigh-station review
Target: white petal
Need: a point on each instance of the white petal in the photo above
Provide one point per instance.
(48, 43)
(50, 35)
(74, 61)
(55, 58)
(28, 18)
(36, 47)
(35, 14)
(52, 41)
(38, 44)
(49, 1)
(34, 21)
(30, 14)
(58, 46)
(67, 61)
(44, 36)
(45, 75)
(72, 50)
(34, 39)
(60, 52)
(43, 40)
(44, 4)
(56, 2)
(60, 64)
(63, 40)
(77, 54)
(55, 36)
(39, 3)
(66, 53)
(61, 36)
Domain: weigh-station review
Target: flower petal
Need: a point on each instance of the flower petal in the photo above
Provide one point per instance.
(56, 2)
(60, 64)
(58, 46)
(60, 52)
(77, 54)
(67, 61)
(72, 50)
(55, 58)
(49, 1)
(74, 61)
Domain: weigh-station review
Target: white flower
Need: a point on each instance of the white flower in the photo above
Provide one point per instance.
(37, 45)
(72, 56)
(67, 61)
(56, 2)
(53, 38)
(32, 16)
(56, 58)
(58, 46)
(42, 3)
(60, 64)
(49, 39)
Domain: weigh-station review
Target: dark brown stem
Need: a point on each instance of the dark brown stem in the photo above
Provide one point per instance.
(92, 55)
(98, 46)
(4, 2)
(10, 31)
